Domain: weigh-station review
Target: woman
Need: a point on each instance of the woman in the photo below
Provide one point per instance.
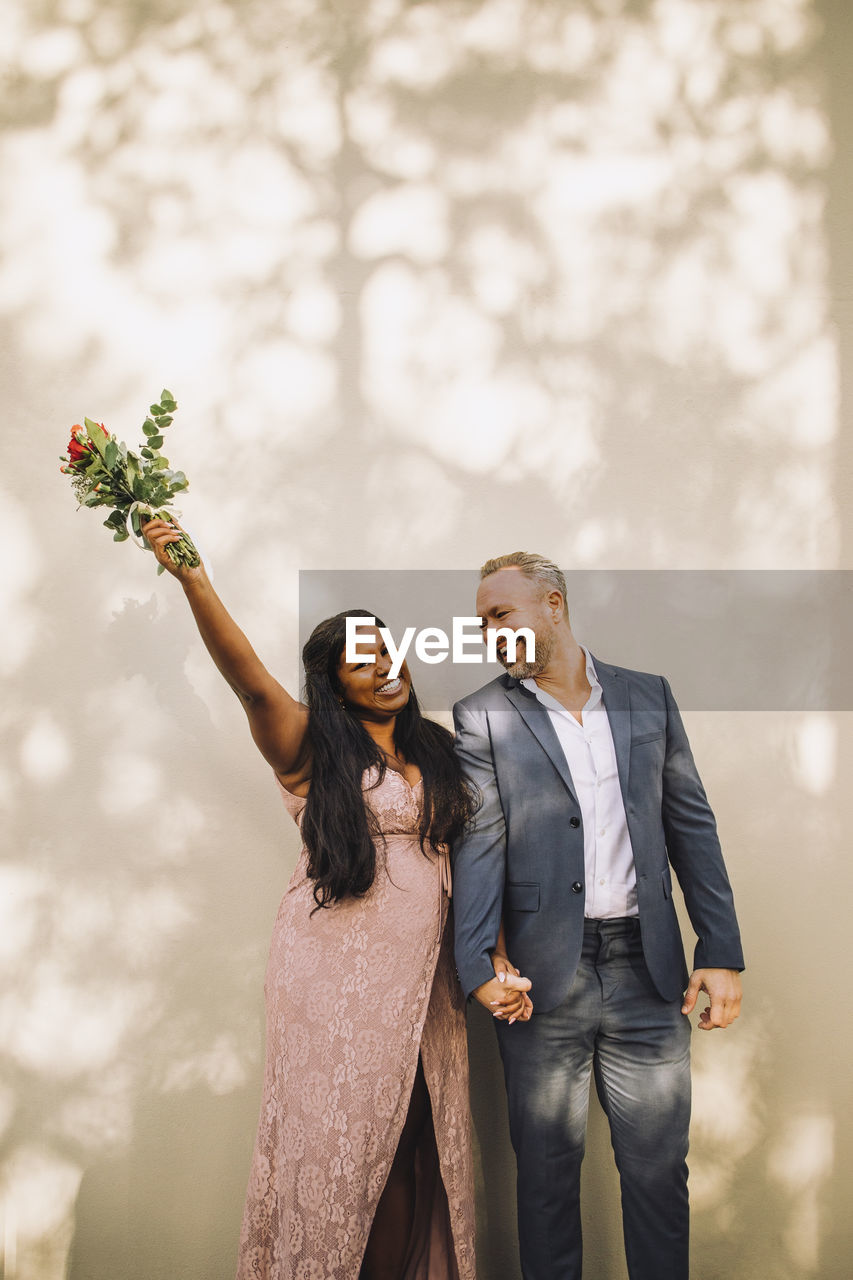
(362, 1163)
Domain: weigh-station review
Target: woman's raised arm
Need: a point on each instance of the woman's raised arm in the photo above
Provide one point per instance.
(279, 723)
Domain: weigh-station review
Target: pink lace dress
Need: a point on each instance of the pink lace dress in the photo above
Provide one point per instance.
(353, 994)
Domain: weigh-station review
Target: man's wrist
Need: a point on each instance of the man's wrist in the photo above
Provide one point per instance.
(476, 976)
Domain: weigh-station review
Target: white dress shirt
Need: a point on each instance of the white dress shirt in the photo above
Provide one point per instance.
(611, 878)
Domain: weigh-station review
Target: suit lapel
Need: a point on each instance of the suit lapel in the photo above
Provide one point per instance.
(539, 723)
(617, 703)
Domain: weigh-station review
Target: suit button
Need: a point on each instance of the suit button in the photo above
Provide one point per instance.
(577, 887)
(574, 822)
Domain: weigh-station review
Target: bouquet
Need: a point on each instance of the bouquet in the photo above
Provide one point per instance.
(139, 487)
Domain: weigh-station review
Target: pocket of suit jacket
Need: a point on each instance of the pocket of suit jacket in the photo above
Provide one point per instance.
(521, 896)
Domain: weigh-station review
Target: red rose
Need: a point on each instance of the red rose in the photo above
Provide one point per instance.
(80, 446)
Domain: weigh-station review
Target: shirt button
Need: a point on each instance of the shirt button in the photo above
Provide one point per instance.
(602, 882)
(577, 887)
(574, 821)
(602, 831)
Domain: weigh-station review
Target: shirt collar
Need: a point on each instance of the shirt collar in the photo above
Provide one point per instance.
(552, 704)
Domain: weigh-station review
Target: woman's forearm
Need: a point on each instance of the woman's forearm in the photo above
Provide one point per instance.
(225, 642)
(279, 724)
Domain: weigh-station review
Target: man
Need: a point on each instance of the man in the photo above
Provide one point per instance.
(589, 796)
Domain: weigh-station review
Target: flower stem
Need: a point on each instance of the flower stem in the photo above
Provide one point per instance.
(183, 552)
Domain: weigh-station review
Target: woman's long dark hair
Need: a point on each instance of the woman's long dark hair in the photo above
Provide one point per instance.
(338, 829)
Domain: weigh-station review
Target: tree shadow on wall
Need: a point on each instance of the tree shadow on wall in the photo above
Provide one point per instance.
(596, 424)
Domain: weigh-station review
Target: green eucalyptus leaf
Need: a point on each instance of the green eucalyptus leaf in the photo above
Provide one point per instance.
(160, 569)
(96, 435)
(121, 535)
(179, 480)
(154, 442)
(146, 453)
(111, 454)
(165, 421)
(155, 410)
(166, 396)
(150, 428)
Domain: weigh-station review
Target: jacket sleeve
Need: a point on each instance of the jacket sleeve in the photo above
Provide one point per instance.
(693, 848)
(479, 857)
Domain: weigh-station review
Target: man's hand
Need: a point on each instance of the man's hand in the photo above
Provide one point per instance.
(502, 966)
(505, 996)
(723, 986)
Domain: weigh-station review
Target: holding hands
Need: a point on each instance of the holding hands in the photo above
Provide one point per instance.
(505, 996)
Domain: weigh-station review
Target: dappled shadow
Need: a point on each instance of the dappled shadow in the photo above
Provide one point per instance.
(430, 281)
(208, 1149)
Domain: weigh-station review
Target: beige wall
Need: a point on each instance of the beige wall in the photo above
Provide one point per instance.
(430, 281)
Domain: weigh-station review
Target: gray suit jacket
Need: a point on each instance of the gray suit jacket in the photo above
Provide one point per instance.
(523, 856)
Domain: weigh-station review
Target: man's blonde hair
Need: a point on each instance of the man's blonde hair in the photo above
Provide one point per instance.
(543, 572)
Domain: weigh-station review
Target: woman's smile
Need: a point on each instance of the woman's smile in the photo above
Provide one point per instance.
(390, 688)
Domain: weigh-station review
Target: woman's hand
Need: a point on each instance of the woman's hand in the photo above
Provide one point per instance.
(511, 1002)
(159, 534)
(508, 1005)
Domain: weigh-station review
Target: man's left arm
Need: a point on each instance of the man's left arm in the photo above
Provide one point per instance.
(694, 850)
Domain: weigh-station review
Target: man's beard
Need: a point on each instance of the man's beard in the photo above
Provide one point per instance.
(526, 670)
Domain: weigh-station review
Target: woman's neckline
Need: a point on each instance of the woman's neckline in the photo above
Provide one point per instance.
(398, 773)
